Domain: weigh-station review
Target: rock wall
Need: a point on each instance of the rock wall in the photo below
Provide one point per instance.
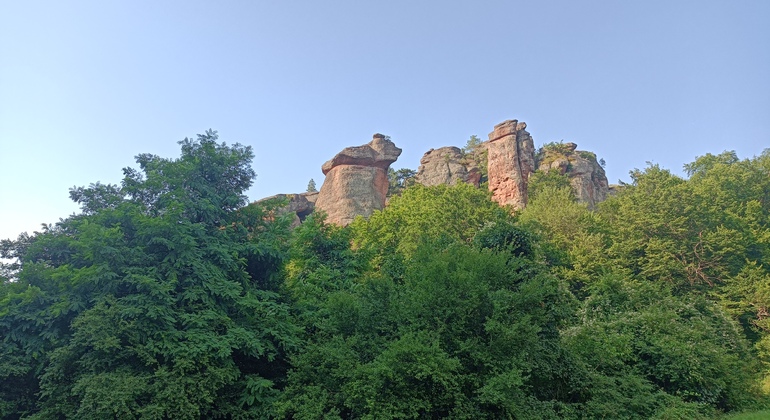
(447, 165)
(511, 160)
(356, 180)
(300, 204)
(357, 177)
(587, 177)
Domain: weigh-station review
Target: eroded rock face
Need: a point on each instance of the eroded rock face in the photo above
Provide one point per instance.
(588, 181)
(447, 165)
(301, 205)
(356, 180)
(587, 177)
(511, 160)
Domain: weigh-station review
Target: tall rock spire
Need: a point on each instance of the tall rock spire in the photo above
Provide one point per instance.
(511, 160)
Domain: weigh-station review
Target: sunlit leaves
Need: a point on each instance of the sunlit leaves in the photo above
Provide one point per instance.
(151, 302)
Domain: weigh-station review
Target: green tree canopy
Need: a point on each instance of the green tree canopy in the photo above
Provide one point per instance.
(454, 213)
(461, 329)
(311, 186)
(157, 301)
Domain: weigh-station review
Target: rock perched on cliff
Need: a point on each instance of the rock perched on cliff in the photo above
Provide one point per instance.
(357, 180)
(587, 177)
(447, 165)
(511, 160)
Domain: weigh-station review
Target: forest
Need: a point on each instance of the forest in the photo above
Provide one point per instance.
(170, 296)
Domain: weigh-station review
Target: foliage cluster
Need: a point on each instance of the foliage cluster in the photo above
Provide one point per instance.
(550, 151)
(398, 180)
(169, 297)
(311, 187)
(585, 154)
(160, 300)
(476, 154)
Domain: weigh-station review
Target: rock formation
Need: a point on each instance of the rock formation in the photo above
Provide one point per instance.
(511, 160)
(586, 175)
(299, 204)
(357, 180)
(447, 165)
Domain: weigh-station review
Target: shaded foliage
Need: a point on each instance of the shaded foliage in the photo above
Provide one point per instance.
(660, 350)
(399, 179)
(461, 332)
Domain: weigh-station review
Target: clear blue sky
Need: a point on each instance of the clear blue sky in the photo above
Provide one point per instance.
(86, 86)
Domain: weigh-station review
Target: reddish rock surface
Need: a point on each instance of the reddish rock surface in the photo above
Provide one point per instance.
(357, 177)
(356, 181)
(511, 160)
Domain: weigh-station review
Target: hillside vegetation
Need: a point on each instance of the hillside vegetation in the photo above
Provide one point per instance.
(169, 296)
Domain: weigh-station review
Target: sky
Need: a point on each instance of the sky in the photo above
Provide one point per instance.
(87, 85)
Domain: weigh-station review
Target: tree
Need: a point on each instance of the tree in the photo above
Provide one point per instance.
(399, 179)
(472, 144)
(454, 213)
(311, 186)
(476, 154)
(705, 235)
(653, 354)
(693, 233)
(459, 331)
(157, 301)
(573, 238)
(541, 180)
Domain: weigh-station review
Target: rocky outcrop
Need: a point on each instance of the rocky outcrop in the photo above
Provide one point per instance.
(447, 165)
(356, 180)
(301, 205)
(511, 160)
(586, 175)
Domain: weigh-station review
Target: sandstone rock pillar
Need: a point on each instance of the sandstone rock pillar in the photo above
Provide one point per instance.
(511, 160)
(357, 180)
